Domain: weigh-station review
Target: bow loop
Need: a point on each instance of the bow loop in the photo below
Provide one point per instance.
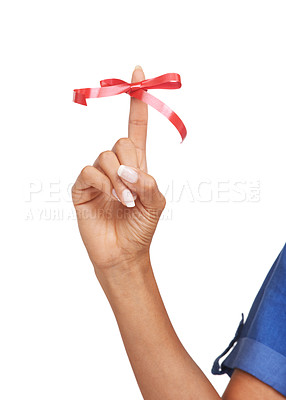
(112, 87)
(112, 82)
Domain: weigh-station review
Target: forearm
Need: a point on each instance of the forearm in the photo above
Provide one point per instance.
(162, 367)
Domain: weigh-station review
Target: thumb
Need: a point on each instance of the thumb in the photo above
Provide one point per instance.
(144, 185)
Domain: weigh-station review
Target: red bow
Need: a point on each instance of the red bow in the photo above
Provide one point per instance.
(112, 87)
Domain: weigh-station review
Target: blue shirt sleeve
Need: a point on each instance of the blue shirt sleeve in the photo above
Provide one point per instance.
(259, 345)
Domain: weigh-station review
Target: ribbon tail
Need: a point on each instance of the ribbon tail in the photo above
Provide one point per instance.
(79, 98)
(163, 109)
(80, 95)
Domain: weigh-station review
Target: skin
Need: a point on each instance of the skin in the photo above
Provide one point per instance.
(245, 386)
(118, 240)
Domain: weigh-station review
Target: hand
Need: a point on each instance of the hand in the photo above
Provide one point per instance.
(118, 204)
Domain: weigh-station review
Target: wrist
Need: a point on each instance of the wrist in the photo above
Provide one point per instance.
(124, 269)
(126, 274)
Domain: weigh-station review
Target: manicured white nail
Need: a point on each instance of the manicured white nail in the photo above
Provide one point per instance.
(138, 67)
(127, 173)
(128, 198)
(115, 194)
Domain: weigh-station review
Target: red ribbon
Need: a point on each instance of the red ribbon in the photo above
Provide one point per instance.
(112, 87)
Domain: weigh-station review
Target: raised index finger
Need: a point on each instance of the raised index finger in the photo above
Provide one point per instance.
(138, 119)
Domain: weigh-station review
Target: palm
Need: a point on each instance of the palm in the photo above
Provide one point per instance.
(113, 228)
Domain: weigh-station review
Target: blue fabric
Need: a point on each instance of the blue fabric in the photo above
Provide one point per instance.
(260, 342)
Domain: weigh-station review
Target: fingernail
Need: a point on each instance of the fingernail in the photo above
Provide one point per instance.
(138, 67)
(127, 173)
(115, 194)
(128, 198)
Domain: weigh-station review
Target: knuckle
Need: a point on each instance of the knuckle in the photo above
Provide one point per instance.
(138, 122)
(123, 142)
(85, 172)
(105, 155)
(151, 184)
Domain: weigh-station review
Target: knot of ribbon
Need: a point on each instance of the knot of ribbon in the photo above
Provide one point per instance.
(113, 87)
(134, 86)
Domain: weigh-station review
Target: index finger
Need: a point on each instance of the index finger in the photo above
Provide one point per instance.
(138, 119)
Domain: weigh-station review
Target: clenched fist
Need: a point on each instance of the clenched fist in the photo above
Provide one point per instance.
(118, 204)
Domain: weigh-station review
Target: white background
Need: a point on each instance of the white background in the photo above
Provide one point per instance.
(213, 247)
